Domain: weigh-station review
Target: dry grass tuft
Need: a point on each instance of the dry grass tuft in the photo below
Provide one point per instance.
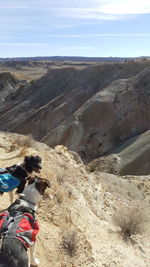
(59, 195)
(130, 221)
(70, 243)
(24, 141)
(60, 179)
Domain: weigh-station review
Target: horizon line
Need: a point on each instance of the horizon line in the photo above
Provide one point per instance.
(56, 56)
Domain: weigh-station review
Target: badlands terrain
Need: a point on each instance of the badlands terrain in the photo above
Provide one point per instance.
(91, 123)
(90, 109)
(86, 219)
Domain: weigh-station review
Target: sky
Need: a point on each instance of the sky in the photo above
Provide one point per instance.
(92, 28)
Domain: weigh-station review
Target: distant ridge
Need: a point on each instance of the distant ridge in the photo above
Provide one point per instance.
(72, 58)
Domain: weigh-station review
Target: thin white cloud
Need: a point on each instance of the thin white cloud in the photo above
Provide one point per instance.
(67, 12)
(85, 9)
(79, 47)
(124, 7)
(84, 13)
(100, 35)
(21, 44)
(63, 26)
(36, 4)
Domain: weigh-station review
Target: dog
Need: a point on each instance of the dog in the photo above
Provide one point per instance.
(18, 226)
(15, 176)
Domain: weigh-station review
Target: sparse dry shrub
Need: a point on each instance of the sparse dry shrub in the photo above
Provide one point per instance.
(11, 148)
(131, 221)
(24, 141)
(60, 195)
(70, 193)
(70, 243)
(60, 179)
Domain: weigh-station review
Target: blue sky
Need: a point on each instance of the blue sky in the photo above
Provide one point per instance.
(97, 28)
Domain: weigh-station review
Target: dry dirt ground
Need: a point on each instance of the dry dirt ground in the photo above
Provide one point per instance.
(86, 219)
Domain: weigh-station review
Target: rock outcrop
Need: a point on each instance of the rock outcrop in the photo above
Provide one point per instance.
(10, 87)
(8, 83)
(119, 111)
(131, 158)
